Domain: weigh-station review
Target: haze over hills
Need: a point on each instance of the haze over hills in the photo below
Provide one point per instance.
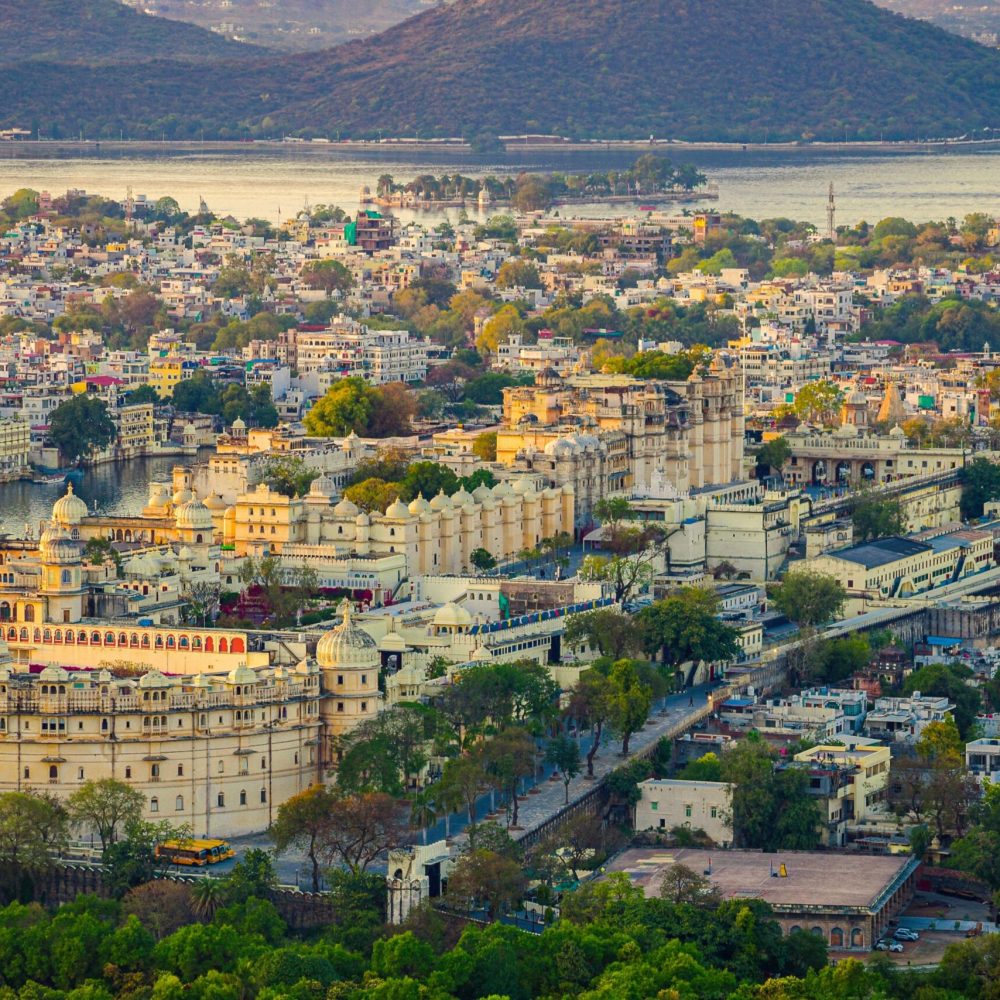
(736, 70)
(95, 31)
(288, 24)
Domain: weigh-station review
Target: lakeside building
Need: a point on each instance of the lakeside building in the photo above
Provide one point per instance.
(217, 750)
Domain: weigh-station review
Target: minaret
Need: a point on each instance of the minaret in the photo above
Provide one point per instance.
(831, 215)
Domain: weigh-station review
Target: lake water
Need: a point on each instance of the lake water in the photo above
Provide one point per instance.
(275, 182)
(115, 488)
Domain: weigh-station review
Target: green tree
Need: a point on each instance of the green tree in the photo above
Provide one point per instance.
(708, 767)
(808, 598)
(686, 627)
(875, 518)
(32, 831)
(507, 758)
(590, 705)
(107, 806)
(499, 328)
(482, 560)
(948, 680)
(288, 475)
(329, 275)
(347, 407)
(564, 754)
(629, 701)
(373, 495)
(301, 824)
(80, 426)
(485, 446)
(427, 479)
(980, 485)
(818, 402)
(607, 629)
(486, 879)
(774, 454)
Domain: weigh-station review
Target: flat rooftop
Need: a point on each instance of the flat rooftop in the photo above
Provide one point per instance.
(815, 878)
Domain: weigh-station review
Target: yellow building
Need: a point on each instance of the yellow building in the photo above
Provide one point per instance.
(164, 375)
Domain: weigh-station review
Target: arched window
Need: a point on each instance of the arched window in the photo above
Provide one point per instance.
(857, 937)
(209, 645)
(109, 638)
(237, 646)
(95, 638)
(53, 772)
(179, 803)
(104, 725)
(67, 576)
(4, 611)
(58, 635)
(198, 539)
(183, 642)
(171, 642)
(12, 633)
(154, 805)
(37, 635)
(196, 642)
(145, 642)
(47, 635)
(223, 645)
(818, 931)
(837, 937)
(159, 642)
(134, 640)
(29, 612)
(69, 635)
(243, 797)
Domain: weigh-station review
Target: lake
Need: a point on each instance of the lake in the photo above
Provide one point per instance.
(276, 182)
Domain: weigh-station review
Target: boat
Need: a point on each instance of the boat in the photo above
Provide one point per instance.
(46, 480)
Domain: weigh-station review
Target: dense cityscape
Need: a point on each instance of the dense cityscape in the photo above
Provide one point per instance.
(559, 560)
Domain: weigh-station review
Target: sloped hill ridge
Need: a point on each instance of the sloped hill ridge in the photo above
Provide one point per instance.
(735, 70)
(92, 31)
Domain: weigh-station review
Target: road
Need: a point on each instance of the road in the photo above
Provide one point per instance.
(542, 797)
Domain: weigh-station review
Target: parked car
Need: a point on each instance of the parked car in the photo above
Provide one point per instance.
(886, 945)
(905, 934)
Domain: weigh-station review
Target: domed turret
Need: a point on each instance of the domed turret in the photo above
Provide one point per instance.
(418, 505)
(193, 516)
(452, 618)
(347, 645)
(69, 510)
(345, 508)
(397, 510)
(56, 546)
(440, 501)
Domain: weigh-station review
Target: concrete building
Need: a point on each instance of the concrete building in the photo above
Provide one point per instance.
(846, 899)
(667, 803)
(902, 720)
(849, 783)
(982, 758)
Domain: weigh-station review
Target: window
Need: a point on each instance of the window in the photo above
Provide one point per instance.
(243, 797)
(79, 774)
(715, 812)
(340, 679)
(128, 772)
(221, 800)
(180, 770)
(263, 795)
(222, 767)
(687, 811)
(27, 773)
(179, 803)
(154, 805)
(364, 706)
(263, 763)
(340, 706)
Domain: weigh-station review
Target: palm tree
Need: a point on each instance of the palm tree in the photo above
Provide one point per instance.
(423, 811)
(208, 896)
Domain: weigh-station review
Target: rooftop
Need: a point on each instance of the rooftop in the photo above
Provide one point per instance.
(886, 550)
(815, 878)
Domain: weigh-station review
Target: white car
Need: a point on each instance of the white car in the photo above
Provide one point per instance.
(889, 946)
(905, 934)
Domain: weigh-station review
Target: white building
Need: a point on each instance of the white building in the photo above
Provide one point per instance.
(699, 805)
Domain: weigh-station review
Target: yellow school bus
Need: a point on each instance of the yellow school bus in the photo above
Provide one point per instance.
(194, 852)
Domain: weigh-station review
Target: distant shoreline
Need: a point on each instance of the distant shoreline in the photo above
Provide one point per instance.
(52, 148)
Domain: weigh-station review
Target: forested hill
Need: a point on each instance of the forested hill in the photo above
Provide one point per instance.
(98, 31)
(736, 70)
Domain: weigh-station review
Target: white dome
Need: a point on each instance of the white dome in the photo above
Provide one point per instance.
(501, 490)
(185, 554)
(322, 486)
(182, 497)
(144, 566)
(215, 502)
(440, 501)
(53, 673)
(897, 432)
(193, 515)
(55, 546)
(347, 645)
(418, 505)
(452, 616)
(241, 675)
(397, 509)
(154, 679)
(69, 509)
(461, 498)
(345, 508)
(482, 493)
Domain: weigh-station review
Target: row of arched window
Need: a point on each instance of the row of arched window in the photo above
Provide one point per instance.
(154, 802)
(81, 637)
(838, 936)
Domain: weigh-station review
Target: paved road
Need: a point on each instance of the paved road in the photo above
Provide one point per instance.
(542, 796)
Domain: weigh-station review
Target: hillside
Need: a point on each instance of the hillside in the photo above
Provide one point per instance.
(694, 69)
(978, 20)
(294, 25)
(93, 31)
